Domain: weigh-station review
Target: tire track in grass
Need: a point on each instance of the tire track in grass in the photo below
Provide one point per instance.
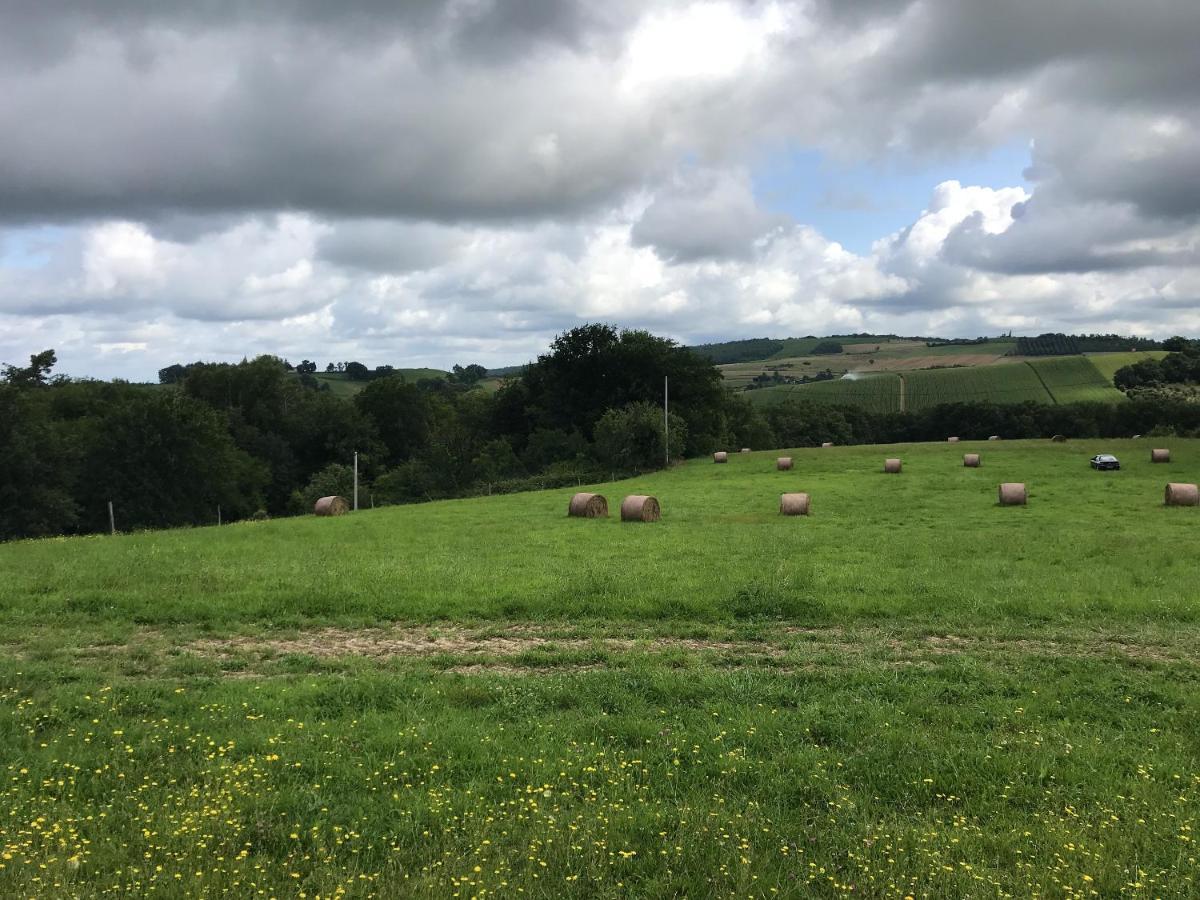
(1032, 368)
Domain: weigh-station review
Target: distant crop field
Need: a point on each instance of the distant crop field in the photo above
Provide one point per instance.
(876, 393)
(1075, 379)
(1011, 383)
(1069, 379)
(1108, 363)
(912, 691)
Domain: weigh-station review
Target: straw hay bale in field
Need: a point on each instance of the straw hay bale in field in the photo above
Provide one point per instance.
(784, 463)
(994, 437)
(1013, 493)
(1160, 455)
(720, 457)
(332, 506)
(1136, 436)
(588, 506)
(951, 440)
(1181, 495)
(971, 460)
(827, 444)
(745, 449)
(640, 508)
(793, 504)
(1059, 438)
(891, 466)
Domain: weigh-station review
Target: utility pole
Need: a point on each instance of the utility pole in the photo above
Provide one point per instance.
(666, 422)
(112, 524)
(356, 480)
(218, 515)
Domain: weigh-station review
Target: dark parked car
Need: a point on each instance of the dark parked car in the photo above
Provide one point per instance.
(1105, 461)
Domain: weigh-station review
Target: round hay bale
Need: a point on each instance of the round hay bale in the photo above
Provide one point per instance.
(971, 460)
(1160, 455)
(784, 463)
(1136, 436)
(1181, 495)
(827, 444)
(994, 437)
(1013, 493)
(891, 466)
(1059, 438)
(332, 506)
(588, 506)
(793, 504)
(720, 457)
(951, 440)
(640, 508)
(745, 449)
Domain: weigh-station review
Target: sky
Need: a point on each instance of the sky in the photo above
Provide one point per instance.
(457, 181)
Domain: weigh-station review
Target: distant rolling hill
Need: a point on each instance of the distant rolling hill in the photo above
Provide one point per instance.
(342, 386)
(1068, 379)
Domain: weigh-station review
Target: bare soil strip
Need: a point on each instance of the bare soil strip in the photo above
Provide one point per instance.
(424, 642)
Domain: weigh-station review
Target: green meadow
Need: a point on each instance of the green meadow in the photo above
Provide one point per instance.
(911, 692)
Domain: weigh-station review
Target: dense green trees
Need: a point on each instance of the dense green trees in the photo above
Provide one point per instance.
(1179, 367)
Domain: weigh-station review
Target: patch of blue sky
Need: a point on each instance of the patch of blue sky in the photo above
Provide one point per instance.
(30, 248)
(856, 204)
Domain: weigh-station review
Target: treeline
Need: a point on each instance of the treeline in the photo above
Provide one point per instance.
(1058, 344)
(251, 439)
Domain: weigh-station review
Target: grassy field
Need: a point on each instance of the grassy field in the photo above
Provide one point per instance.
(911, 692)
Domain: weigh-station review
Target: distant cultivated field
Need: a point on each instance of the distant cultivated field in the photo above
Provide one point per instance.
(872, 356)
(911, 692)
(876, 393)
(1108, 363)
(996, 384)
(1075, 379)
(1069, 379)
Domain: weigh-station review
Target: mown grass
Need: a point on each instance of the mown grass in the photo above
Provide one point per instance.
(912, 692)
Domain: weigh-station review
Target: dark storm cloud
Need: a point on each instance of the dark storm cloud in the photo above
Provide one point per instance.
(1045, 238)
(979, 39)
(436, 111)
(381, 245)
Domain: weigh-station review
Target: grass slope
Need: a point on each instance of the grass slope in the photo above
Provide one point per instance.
(913, 691)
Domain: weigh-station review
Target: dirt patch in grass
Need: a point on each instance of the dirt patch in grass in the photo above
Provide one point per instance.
(776, 642)
(424, 642)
